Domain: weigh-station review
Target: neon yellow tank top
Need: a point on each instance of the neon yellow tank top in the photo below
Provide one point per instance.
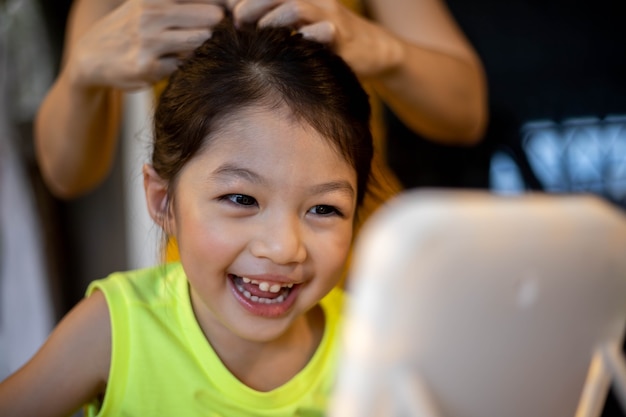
(163, 365)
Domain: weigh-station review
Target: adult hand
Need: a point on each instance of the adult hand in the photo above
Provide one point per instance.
(365, 46)
(141, 42)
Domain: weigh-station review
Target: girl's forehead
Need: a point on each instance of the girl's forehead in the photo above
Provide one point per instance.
(240, 118)
(245, 126)
(263, 143)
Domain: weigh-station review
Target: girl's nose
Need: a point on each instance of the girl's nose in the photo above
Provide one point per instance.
(280, 241)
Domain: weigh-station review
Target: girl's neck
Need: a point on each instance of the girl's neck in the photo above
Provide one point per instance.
(264, 366)
(267, 366)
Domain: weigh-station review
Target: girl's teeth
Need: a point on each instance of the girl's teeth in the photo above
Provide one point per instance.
(265, 286)
(261, 300)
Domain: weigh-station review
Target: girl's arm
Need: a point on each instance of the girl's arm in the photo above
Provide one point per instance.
(69, 370)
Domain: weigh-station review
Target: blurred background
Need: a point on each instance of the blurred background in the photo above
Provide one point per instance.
(556, 72)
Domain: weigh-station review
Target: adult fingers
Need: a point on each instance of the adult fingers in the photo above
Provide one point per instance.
(221, 3)
(166, 2)
(180, 41)
(159, 69)
(292, 13)
(190, 15)
(250, 11)
(230, 4)
(322, 32)
(164, 67)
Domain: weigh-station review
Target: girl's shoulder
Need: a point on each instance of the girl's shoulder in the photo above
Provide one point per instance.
(150, 284)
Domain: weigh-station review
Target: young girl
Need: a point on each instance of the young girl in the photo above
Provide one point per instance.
(261, 158)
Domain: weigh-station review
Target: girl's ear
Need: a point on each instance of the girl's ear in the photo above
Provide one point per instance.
(157, 199)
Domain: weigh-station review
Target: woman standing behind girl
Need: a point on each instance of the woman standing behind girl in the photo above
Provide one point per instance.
(261, 158)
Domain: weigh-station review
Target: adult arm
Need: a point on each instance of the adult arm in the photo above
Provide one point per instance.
(111, 46)
(412, 52)
(69, 370)
(437, 84)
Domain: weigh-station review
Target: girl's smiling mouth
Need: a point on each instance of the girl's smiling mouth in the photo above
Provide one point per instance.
(264, 298)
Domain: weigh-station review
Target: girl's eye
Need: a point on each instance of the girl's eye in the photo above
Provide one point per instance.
(325, 210)
(241, 199)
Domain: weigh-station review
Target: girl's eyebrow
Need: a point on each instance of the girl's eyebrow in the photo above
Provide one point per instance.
(231, 170)
(343, 187)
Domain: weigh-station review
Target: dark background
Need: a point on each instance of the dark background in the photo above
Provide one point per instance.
(544, 59)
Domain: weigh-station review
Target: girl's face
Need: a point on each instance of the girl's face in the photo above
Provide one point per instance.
(263, 218)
